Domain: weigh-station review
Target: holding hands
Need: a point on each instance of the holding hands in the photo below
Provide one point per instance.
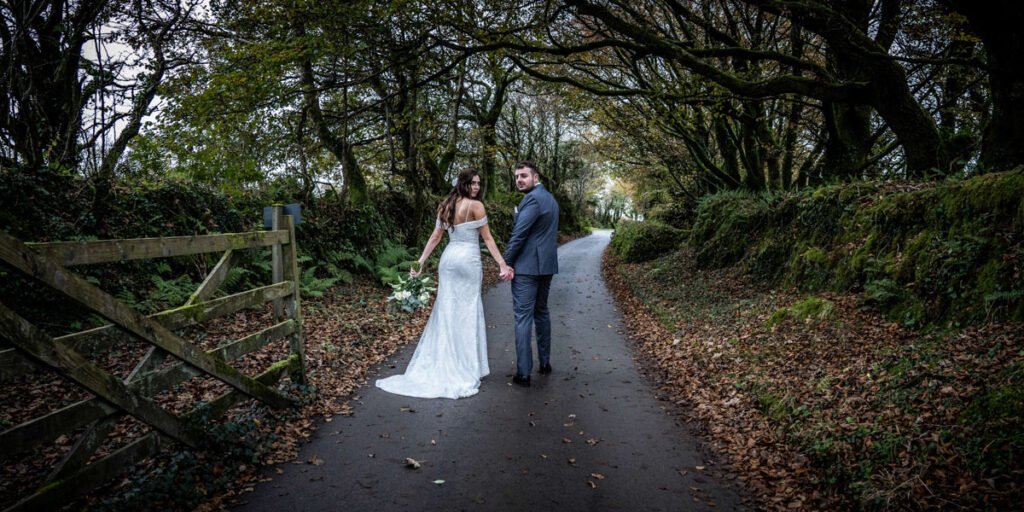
(506, 272)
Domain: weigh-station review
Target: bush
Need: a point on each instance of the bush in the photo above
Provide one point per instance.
(642, 241)
(676, 214)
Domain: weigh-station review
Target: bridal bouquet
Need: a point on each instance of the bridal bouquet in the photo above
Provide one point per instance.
(411, 294)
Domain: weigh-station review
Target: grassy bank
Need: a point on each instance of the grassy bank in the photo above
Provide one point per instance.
(948, 253)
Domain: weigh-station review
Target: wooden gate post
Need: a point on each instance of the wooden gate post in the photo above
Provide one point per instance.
(286, 268)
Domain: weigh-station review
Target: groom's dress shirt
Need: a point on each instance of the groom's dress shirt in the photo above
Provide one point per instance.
(533, 247)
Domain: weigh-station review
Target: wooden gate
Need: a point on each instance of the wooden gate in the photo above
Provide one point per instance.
(33, 349)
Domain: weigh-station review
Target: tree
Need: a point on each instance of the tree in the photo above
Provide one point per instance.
(81, 76)
(43, 86)
(998, 25)
(846, 64)
(485, 109)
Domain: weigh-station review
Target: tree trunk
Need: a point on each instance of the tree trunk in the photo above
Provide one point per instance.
(488, 165)
(727, 148)
(998, 24)
(848, 142)
(354, 187)
(752, 151)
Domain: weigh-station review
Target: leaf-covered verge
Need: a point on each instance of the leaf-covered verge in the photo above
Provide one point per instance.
(948, 253)
(819, 403)
(346, 332)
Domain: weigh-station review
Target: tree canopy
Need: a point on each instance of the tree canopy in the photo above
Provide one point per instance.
(683, 96)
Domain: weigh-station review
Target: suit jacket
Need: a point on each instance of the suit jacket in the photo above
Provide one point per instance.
(533, 247)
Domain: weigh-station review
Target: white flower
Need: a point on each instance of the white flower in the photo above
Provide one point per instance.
(424, 296)
(402, 295)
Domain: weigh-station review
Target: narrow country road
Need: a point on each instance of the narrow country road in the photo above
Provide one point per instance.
(590, 436)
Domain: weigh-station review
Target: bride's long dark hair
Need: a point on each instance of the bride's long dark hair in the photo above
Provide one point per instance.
(446, 211)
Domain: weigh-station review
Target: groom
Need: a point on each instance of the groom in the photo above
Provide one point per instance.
(532, 254)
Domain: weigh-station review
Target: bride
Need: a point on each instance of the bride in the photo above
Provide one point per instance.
(451, 356)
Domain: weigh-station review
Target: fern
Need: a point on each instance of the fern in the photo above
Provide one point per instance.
(171, 291)
(349, 261)
(339, 273)
(391, 262)
(261, 261)
(1001, 301)
(313, 286)
(389, 275)
(392, 255)
(238, 278)
(362, 263)
(127, 297)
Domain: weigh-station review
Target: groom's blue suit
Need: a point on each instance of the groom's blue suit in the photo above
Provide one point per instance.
(533, 252)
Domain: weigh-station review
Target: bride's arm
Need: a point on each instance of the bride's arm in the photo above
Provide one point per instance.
(435, 238)
(485, 233)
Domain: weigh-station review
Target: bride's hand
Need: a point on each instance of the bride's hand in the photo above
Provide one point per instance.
(414, 271)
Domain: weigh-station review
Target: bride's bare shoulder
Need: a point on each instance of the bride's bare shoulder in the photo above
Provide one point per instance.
(478, 210)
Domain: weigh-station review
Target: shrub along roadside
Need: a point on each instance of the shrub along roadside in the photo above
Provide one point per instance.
(336, 241)
(943, 253)
(642, 241)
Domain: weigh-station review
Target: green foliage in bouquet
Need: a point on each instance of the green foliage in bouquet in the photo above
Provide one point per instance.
(410, 294)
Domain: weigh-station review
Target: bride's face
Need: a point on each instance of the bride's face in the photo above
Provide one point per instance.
(474, 187)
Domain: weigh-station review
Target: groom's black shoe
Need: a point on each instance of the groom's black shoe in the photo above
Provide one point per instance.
(521, 380)
(544, 369)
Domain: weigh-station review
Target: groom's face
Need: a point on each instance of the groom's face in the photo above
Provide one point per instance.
(525, 179)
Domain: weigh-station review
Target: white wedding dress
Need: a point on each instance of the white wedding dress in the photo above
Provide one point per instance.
(451, 356)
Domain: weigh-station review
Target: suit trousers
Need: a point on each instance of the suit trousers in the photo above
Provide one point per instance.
(530, 303)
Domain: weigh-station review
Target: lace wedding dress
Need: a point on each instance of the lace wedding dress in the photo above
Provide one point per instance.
(451, 356)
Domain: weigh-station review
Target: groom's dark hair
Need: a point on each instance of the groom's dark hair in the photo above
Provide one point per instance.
(526, 164)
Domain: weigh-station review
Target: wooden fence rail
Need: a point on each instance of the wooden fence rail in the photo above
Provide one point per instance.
(32, 349)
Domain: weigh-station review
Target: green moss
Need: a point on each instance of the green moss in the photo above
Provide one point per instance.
(811, 308)
(769, 257)
(725, 226)
(910, 311)
(643, 241)
(50, 487)
(290, 361)
(811, 269)
(949, 252)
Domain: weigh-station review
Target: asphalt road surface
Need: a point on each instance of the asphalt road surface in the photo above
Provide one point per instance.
(590, 436)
